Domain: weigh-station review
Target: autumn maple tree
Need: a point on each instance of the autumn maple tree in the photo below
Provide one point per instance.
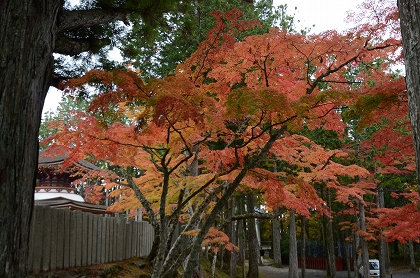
(182, 145)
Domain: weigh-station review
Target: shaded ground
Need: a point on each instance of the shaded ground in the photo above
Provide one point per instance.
(130, 268)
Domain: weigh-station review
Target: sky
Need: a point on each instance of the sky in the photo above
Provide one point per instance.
(324, 14)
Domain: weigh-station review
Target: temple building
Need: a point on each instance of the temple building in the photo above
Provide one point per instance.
(55, 187)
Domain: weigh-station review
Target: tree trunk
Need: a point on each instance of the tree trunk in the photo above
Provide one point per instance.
(356, 254)
(276, 241)
(412, 258)
(27, 32)
(254, 254)
(293, 259)
(410, 29)
(363, 242)
(303, 256)
(232, 230)
(331, 270)
(382, 242)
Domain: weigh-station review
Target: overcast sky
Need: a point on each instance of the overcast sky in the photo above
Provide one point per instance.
(325, 14)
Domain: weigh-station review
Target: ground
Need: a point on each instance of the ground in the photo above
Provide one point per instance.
(136, 267)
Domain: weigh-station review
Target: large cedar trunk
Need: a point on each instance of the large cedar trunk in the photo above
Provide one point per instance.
(410, 28)
(26, 64)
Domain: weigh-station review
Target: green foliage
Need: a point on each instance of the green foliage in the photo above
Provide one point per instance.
(187, 27)
(64, 115)
(326, 138)
(367, 104)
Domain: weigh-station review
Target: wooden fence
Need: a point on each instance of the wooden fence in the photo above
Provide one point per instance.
(61, 238)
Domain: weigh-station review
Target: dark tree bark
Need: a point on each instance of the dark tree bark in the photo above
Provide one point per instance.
(276, 240)
(252, 239)
(293, 259)
(232, 230)
(363, 242)
(410, 29)
(26, 64)
(382, 242)
(303, 256)
(412, 258)
(329, 241)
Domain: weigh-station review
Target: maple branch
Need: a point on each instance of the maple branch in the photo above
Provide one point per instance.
(140, 196)
(328, 161)
(327, 73)
(169, 266)
(202, 188)
(327, 112)
(207, 54)
(254, 215)
(264, 130)
(344, 82)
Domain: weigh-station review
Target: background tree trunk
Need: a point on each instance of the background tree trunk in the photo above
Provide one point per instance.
(27, 30)
(303, 256)
(276, 241)
(410, 29)
(363, 242)
(412, 258)
(293, 259)
(232, 236)
(382, 242)
(329, 237)
(254, 252)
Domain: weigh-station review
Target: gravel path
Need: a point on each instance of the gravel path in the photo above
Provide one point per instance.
(269, 271)
(273, 272)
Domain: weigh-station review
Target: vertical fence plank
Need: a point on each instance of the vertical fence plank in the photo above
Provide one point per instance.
(111, 238)
(121, 239)
(84, 232)
(134, 239)
(89, 229)
(79, 237)
(109, 241)
(99, 241)
(54, 239)
(128, 239)
(103, 240)
(73, 239)
(95, 220)
(46, 239)
(60, 238)
(115, 240)
(67, 239)
(66, 232)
